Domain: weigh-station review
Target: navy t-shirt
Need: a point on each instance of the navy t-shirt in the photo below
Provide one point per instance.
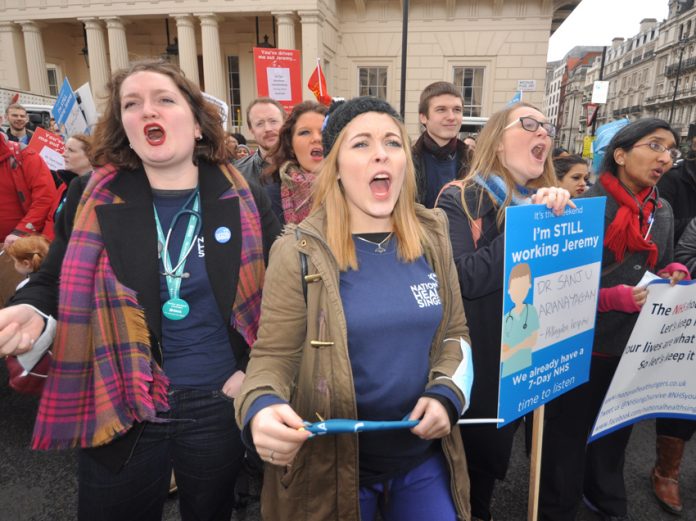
(196, 349)
(392, 310)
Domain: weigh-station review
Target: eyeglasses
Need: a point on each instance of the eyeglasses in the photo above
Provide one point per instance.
(531, 125)
(674, 153)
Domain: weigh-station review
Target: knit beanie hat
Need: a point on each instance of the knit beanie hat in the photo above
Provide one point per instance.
(342, 112)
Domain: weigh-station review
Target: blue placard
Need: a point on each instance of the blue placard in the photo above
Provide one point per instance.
(64, 103)
(550, 294)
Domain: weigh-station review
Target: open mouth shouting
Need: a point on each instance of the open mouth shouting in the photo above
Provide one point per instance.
(317, 153)
(539, 152)
(154, 134)
(379, 186)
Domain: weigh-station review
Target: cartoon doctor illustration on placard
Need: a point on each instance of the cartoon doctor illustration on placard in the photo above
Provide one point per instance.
(520, 324)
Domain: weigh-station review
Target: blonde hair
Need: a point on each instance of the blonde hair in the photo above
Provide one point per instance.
(329, 194)
(486, 161)
(32, 248)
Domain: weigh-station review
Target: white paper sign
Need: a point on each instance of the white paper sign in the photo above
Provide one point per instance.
(279, 84)
(600, 91)
(655, 377)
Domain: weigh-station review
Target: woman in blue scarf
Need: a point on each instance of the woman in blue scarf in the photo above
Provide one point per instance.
(511, 165)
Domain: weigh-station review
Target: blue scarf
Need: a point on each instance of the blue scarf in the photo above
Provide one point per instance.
(496, 187)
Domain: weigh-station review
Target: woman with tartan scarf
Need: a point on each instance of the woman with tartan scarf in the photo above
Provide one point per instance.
(511, 166)
(294, 162)
(161, 257)
(638, 238)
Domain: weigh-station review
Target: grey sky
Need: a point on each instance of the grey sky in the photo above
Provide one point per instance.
(596, 22)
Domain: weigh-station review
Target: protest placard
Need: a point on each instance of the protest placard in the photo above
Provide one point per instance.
(655, 377)
(66, 111)
(550, 291)
(49, 146)
(279, 75)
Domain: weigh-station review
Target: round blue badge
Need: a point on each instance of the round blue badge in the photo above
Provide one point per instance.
(223, 234)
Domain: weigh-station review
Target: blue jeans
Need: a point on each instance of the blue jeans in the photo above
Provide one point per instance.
(421, 493)
(201, 443)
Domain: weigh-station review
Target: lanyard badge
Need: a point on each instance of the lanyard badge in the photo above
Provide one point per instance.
(177, 308)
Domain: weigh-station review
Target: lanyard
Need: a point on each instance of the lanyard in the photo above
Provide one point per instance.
(176, 308)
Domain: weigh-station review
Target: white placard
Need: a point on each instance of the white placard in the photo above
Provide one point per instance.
(279, 84)
(600, 91)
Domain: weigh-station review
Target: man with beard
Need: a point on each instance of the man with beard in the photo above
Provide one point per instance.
(17, 118)
(439, 157)
(264, 117)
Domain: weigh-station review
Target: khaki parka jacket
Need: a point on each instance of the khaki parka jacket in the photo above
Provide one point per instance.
(301, 355)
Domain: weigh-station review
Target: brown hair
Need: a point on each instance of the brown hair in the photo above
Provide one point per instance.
(486, 161)
(269, 101)
(520, 270)
(283, 150)
(32, 248)
(111, 142)
(328, 194)
(438, 88)
(15, 106)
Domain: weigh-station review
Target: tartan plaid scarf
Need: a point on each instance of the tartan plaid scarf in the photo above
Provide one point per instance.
(103, 377)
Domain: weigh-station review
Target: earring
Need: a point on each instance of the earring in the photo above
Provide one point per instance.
(130, 146)
(621, 163)
(199, 138)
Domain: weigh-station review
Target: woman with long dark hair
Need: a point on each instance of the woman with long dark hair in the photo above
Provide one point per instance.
(294, 163)
(638, 237)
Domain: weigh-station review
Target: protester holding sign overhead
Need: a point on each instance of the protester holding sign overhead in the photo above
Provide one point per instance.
(638, 238)
(380, 334)
(161, 260)
(511, 166)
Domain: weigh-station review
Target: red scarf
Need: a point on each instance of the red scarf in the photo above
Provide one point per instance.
(627, 230)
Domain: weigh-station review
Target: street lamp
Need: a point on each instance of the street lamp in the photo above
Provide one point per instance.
(682, 46)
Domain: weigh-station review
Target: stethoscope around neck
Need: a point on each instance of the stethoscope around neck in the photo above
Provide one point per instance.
(170, 271)
(509, 317)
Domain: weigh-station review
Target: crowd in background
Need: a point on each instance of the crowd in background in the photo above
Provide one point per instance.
(211, 298)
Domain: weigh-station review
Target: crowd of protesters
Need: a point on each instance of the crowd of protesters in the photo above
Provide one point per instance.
(203, 301)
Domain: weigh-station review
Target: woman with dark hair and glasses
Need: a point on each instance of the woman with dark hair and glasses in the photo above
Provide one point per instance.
(511, 166)
(638, 237)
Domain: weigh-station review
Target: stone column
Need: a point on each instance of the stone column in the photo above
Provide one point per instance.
(188, 55)
(36, 58)
(286, 29)
(98, 68)
(311, 46)
(213, 68)
(118, 48)
(13, 61)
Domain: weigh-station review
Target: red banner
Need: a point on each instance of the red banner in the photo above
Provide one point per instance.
(279, 75)
(317, 84)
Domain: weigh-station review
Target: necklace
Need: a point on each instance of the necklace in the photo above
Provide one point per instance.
(380, 245)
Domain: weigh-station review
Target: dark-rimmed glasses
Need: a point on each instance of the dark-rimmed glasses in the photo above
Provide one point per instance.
(531, 125)
(674, 153)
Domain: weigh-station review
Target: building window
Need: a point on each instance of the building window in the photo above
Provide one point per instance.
(53, 84)
(470, 81)
(372, 81)
(235, 117)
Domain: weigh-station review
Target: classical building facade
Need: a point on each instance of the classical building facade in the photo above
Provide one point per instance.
(484, 46)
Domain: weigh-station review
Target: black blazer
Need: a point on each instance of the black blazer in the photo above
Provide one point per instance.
(130, 238)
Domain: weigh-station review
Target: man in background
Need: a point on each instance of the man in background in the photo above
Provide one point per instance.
(438, 155)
